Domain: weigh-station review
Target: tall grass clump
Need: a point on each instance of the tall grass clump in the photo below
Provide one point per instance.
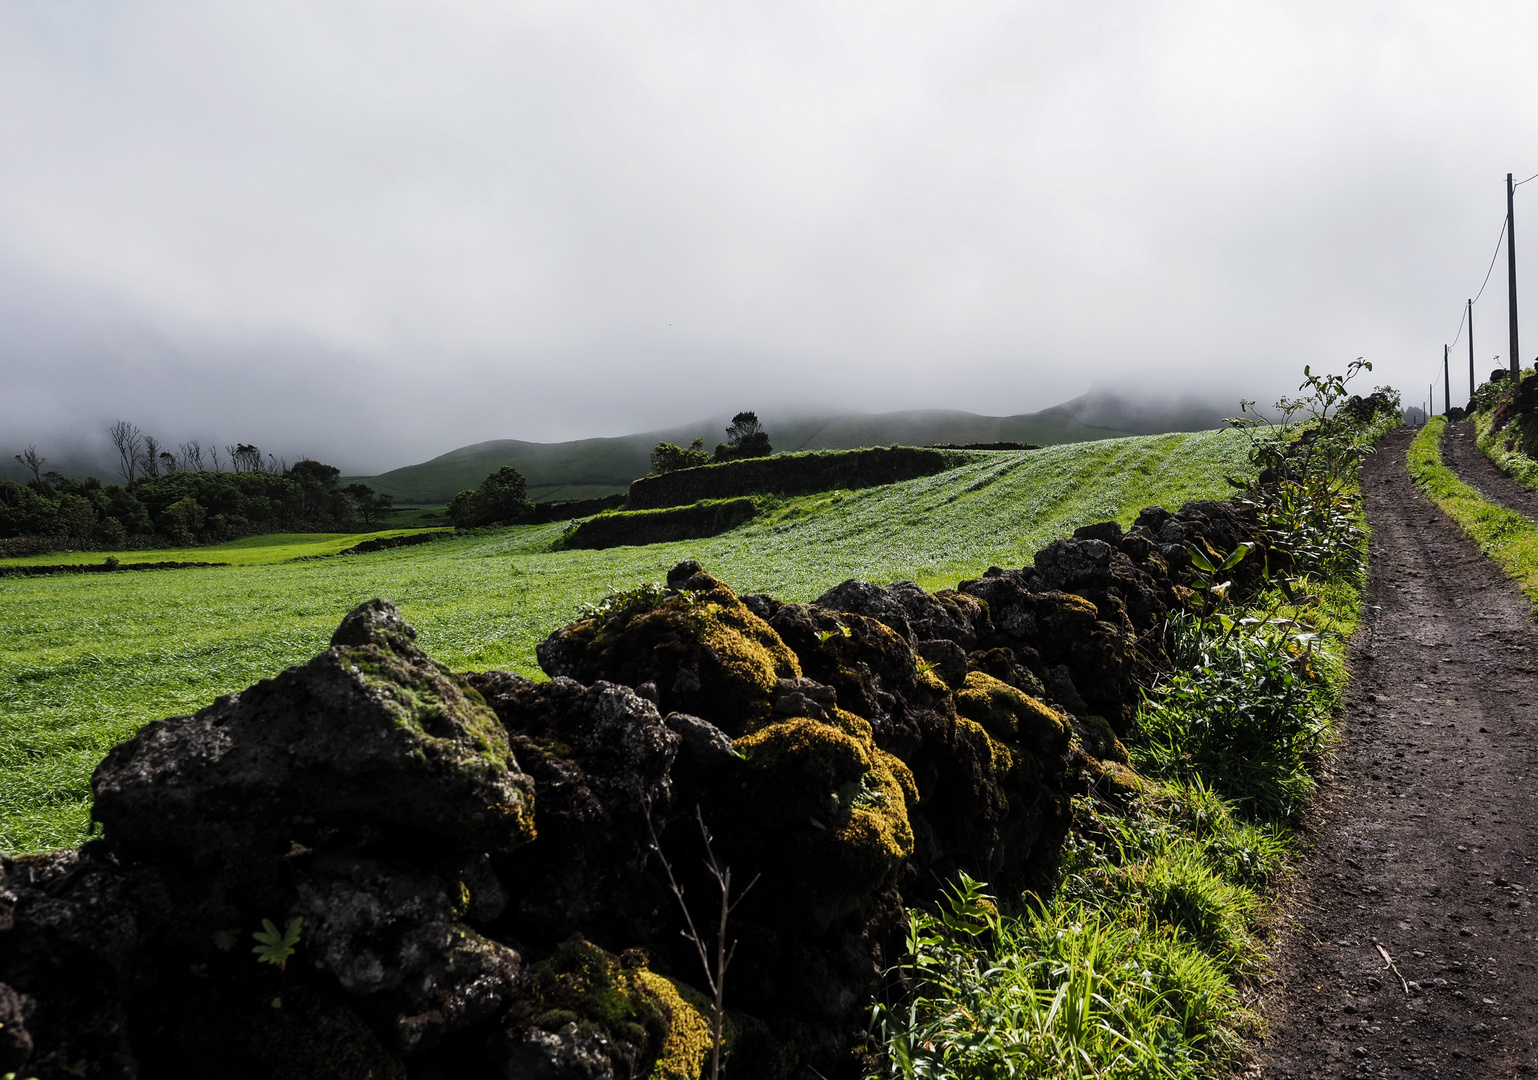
(1139, 964)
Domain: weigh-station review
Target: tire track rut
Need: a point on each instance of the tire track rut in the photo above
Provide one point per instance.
(1461, 454)
(1425, 840)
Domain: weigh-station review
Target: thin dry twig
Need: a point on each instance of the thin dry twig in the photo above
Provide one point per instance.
(1389, 962)
(715, 975)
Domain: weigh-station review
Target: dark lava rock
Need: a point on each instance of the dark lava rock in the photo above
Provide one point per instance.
(370, 735)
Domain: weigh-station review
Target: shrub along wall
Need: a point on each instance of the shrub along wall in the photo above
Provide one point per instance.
(792, 474)
(634, 527)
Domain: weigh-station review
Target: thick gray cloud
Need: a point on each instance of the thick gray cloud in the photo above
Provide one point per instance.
(376, 229)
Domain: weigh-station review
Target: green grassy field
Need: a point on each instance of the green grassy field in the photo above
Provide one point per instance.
(85, 660)
(261, 550)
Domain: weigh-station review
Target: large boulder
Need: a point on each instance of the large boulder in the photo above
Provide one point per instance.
(369, 737)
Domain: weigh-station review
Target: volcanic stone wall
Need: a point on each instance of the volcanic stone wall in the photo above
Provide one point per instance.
(472, 865)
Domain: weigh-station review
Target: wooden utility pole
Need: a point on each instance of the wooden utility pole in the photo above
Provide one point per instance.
(1471, 354)
(1511, 278)
(1447, 386)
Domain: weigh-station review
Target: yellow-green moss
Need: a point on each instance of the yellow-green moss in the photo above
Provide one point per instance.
(582, 983)
(995, 752)
(1099, 740)
(1011, 716)
(809, 772)
(717, 658)
(1113, 778)
(687, 1045)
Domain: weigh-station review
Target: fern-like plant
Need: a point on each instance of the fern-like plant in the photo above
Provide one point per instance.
(274, 946)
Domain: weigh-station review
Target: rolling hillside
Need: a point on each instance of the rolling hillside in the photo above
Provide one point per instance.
(85, 660)
(588, 468)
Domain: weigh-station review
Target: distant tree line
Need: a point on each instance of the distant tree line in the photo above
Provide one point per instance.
(183, 496)
(745, 438)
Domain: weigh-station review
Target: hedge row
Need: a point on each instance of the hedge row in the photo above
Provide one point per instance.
(634, 527)
(792, 474)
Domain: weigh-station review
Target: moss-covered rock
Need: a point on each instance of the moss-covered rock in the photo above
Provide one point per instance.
(704, 650)
(1011, 716)
(836, 809)
(371, 730)
(584, 1012)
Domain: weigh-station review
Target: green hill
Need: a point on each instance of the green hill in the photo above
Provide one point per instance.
(589, 468)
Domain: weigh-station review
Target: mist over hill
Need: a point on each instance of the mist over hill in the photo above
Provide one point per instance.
(588, 468)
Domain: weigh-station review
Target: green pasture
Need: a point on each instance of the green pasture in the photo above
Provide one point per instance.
(261, 550)
(85, 660)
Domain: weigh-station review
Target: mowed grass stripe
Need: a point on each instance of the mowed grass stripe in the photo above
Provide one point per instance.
(86, 660)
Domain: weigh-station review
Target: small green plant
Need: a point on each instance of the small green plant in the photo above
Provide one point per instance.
(274, 946)
(644, 597)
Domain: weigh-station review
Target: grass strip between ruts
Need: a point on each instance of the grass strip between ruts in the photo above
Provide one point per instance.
(1514, 463)
(1504, 535)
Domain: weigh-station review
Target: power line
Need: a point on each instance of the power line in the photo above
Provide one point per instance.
(1490, 271)
(1521, 182)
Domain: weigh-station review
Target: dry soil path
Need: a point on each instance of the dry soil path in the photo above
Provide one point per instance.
(1426, 841)
(1461, 453)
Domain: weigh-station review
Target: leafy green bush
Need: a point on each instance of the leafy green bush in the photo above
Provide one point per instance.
(502, 497)
(1236, 712)
(670, 457)
(1059, 991)
(1305, 495)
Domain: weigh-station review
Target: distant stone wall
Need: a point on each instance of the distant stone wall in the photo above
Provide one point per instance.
(791, 474)
(621, 528)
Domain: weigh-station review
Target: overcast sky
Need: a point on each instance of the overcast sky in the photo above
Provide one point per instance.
(373, 230)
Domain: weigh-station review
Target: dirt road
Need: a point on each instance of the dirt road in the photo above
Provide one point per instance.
(1460, 450)
(1426, 842)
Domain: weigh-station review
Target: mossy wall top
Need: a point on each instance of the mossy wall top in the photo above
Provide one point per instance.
(793, 474)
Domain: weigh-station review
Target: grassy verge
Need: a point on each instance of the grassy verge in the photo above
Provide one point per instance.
(1504, 535)
(1514, 463)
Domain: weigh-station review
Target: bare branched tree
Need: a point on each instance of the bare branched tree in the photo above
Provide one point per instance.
(715, 969)
(214, 451)
(129, 440)
(149, 461)
(168, 462)
(191, 457)
(33, 463)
